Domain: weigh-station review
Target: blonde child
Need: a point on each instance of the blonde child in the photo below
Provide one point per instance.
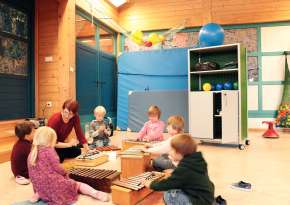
(189, 183)
(175, 125)
(20, 152)
(100, 129)
(50, 181)
(152, 129)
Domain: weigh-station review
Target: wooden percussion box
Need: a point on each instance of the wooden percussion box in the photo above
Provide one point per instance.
(131, 191)
(134, 162)
(99, 179)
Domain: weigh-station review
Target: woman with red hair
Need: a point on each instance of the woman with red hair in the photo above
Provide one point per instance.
(63, 122)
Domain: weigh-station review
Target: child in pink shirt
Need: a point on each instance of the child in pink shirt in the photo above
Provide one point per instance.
(152, 129)
(50, 181)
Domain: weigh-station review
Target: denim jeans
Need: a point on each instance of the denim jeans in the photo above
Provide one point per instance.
(163, 162)
(176, 197)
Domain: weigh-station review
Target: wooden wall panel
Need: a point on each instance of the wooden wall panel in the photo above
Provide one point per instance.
(164, 14)
(55, 37)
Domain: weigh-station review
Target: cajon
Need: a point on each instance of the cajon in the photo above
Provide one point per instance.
(132, 165)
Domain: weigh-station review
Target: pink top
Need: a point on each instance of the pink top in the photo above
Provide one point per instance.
(152, 131)
(50, 180)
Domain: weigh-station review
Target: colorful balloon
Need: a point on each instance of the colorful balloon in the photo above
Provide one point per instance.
(154, 38)
(206, 86)
(137, 37)
(148, 43)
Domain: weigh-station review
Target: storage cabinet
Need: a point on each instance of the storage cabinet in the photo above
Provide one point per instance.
(218, 115)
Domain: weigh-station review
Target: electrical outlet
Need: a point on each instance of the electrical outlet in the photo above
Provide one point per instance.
(48, 104)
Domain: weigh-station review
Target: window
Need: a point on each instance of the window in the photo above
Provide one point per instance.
(94, 34)
(13, 41)
(106, 41)
(85, 31)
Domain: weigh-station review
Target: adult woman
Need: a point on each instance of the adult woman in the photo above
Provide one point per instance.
(63, 122)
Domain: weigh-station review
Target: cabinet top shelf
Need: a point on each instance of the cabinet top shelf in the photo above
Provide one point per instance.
(215, 71)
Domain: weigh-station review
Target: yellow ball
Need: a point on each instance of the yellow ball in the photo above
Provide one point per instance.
(206, 86)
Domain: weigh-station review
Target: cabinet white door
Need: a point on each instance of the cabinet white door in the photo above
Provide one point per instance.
(230, 116)
(201, 114)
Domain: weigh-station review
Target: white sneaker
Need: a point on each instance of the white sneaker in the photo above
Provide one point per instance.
(21, 180)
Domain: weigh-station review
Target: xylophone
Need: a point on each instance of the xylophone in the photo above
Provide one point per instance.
(100, 179)
(127, 143)
(107, 148)
(91, 159)
(135, 183)
(89, 156)
(131, 190)
(134, 162)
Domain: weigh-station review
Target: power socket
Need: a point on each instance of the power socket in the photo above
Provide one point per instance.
(48, 104)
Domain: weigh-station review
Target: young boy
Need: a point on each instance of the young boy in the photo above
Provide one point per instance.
(175, 125)
(20, 152)
(100, 129)
(189, 183)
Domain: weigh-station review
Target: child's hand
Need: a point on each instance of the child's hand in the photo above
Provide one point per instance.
(102, 128)
(147, 183)
(168, 172)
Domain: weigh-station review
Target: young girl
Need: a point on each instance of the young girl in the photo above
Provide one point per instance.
(189, 183)
(152, 129)
(50, 181)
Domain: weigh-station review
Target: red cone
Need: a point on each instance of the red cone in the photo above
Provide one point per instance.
(270, 132)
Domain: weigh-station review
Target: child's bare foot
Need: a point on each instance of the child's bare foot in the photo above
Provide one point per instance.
(102, 196)
(34, 198)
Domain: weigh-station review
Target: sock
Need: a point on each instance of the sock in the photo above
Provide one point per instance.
(34, 198)
(90, 191)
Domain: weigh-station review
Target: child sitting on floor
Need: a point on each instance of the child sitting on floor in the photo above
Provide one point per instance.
(152, 129)
(50, 181)
(175, 125)
(189, 183)
(100, 128)
(20, 152)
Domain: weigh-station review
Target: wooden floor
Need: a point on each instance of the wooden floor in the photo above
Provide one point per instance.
(265, 164)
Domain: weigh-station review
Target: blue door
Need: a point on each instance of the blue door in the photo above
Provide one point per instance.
(96, 81)
(87, 78)
(108, 82)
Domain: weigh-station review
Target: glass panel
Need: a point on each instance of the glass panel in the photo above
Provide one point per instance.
(246, 36)
(253, 70)
(106, 41)
(85, 31)
(13, 21)
(13, 56)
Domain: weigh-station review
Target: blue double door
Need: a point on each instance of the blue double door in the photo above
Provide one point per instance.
(96, 81)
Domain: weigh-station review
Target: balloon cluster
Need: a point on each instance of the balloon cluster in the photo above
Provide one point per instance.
(138, 37)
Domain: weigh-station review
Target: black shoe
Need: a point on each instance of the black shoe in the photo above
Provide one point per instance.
(242, 186)
(220, 201)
